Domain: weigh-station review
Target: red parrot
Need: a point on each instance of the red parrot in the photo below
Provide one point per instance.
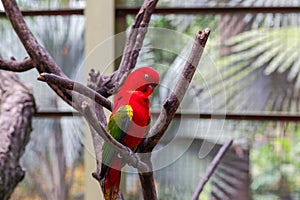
(128, 124)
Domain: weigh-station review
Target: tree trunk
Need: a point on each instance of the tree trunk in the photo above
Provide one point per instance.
(16, 109)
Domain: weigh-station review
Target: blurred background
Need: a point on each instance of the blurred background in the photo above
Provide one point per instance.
(250, 71)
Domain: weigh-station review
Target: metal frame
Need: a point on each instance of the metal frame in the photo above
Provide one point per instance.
(59, 12)
(121, 12)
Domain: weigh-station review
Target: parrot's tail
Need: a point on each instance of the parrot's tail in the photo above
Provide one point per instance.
(112, 180)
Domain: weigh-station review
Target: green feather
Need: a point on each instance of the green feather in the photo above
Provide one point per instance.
(117, 126)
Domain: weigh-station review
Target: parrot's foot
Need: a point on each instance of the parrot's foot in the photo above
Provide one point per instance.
(129, 150)
(131, 153)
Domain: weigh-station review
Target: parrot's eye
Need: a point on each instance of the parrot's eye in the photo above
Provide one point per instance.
(147, 77)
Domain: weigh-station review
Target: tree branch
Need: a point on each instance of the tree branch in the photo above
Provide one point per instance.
(16, 66)
(211, 168)
(97, 139)
(110, 85)
(41, 59)
(39, 56)
(147, 179)
(75, 86)
(172, 103)
(17, 108)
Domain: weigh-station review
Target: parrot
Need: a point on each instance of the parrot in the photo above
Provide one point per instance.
(128, 124)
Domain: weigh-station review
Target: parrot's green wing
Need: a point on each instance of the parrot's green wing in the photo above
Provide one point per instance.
(117, 126)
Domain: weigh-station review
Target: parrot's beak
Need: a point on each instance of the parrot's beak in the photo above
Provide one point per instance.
(151, 86)
(149, 89)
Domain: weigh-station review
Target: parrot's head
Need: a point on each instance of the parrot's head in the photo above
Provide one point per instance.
(137, 88)
(143, 79)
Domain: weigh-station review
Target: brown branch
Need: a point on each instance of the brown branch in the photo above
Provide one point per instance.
(16, 66)
(17, 108)
(97, 139)
(41, 59)
(211, 168)
(38, 54)
(120, 148)
(173, 101)
(147, 179)
(75, 86)
(110, 85)
(148, 185)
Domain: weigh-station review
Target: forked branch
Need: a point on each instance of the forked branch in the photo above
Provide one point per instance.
(40, 58)
(110, 85)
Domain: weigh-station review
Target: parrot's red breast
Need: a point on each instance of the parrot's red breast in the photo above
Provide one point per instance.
(128, 124)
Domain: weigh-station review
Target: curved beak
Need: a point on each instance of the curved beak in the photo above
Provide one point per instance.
(151, 86)
(149, 89)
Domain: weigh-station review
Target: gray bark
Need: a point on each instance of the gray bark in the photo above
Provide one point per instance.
(16, 109)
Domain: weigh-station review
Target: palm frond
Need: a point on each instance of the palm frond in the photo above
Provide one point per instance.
(275, 47)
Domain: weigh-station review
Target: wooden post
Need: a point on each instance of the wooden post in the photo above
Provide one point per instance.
(99, 27)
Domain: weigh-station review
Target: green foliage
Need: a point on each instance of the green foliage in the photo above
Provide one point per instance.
(275, 166)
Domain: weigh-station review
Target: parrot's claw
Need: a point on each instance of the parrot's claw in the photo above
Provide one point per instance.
(131, 153)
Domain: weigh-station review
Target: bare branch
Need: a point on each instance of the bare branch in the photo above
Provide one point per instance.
(38, 54)
(120, 148)
(75, 86)
(40, 57)
(147, 179)
(211, 168)
(173, 101)
(134, 42)
(16, 66)
(148, 185)
(17, 108)
(97, 139)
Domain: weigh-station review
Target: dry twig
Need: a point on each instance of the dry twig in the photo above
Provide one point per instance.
(77, 87)
(40, 58)
(211, 168)
(16, 66)
(110, 85)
